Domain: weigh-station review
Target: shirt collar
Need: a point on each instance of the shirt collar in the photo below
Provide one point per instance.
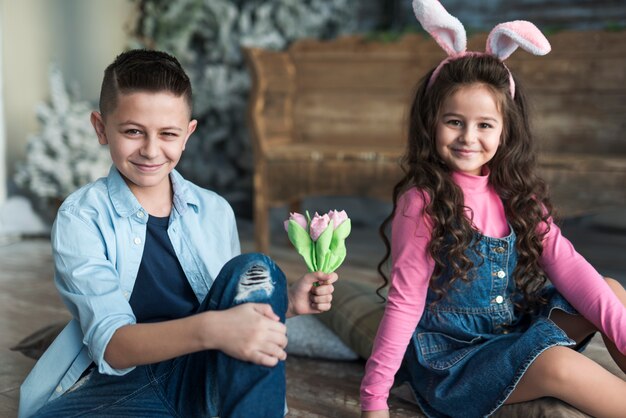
(183, 195)
(126, 204)
(471, 182)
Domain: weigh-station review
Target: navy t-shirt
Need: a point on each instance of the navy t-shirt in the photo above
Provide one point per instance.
(161, 290)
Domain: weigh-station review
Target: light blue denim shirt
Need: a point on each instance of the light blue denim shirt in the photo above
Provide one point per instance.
(97, 243)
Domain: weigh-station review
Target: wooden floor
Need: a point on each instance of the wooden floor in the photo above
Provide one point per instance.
(316, 388)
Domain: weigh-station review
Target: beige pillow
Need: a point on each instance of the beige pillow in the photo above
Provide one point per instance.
(355, 315)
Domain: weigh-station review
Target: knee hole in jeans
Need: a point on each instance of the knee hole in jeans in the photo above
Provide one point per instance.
(255, 279)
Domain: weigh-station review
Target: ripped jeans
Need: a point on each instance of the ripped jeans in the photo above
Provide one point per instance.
(203, 384)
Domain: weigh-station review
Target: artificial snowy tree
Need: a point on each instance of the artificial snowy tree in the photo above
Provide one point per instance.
(65, 154)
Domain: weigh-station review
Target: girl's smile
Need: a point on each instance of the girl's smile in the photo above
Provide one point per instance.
(463, 152)
(469, 129)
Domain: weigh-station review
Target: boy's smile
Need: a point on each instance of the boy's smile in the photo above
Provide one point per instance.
(469, 129)
(146, 134)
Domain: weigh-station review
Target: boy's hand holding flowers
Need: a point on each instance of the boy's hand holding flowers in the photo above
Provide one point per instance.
(321, 243)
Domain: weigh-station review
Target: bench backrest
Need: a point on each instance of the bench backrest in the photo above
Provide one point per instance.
(352, 91)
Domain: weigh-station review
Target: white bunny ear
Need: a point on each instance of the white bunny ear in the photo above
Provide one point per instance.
(504, 39)
(446, 29)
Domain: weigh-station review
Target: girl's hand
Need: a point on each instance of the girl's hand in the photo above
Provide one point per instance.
(311, 294)
(252, 332)
(375, 414)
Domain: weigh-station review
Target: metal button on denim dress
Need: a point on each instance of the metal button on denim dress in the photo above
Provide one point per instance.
(470, 348)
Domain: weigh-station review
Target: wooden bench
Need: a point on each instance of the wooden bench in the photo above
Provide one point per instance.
(328, 118)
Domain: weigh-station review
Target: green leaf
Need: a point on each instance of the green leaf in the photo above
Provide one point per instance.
(340, 234)
(337, 257)
(322, 247)
(326, 267)
(338, 245)
(302, 242)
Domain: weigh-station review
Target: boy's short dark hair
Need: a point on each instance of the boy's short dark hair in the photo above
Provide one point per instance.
(143, 70)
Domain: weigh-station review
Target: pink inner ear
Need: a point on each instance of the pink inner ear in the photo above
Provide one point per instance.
(445, 38)
(504, 43)
(506, 37)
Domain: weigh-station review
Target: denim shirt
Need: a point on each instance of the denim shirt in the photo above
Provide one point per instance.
(97, 243)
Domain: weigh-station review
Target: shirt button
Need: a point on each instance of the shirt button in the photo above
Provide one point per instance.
(59, 389)
(137, 240)
(126, 294)
(499, 250)
(140, 214)
(499, 299)
(501, 274)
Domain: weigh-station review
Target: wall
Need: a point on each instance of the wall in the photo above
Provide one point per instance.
(81, 36)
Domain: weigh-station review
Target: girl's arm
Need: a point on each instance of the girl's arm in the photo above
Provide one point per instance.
(583, 287)
(375, 414)
(410, 274)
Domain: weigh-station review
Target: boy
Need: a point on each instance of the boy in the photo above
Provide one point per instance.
(164, 324)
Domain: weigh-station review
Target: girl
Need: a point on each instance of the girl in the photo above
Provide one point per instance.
(473, 244)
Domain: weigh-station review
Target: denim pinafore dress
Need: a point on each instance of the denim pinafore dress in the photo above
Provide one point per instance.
(471, 348)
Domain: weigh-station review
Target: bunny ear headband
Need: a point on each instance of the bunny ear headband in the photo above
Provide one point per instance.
(502, 41)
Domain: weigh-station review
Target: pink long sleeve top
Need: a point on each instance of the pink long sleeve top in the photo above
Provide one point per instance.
(412, 268)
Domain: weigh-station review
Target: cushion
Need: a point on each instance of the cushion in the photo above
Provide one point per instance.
(355, 315)
(310, 338)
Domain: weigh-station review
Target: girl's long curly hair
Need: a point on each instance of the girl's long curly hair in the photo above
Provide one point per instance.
(513, 176)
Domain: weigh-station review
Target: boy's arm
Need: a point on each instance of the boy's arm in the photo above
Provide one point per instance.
(88, 281)
(248, 332)
(90, 286)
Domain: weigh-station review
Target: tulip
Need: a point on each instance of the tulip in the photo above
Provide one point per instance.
(319, 225)
(321, 240)
(337, 217)
(298, 218)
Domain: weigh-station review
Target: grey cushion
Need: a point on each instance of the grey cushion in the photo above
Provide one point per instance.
(309, 337)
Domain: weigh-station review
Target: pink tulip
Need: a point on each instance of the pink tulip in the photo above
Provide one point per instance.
(319, 223)
(337, 217)
(298, 218)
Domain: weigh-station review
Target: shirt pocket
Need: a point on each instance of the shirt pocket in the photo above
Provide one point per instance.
(440, 351)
